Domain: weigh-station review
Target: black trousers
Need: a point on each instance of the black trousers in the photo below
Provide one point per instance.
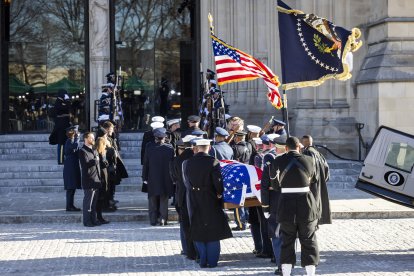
(158, 208)
(185, 220)
(70, 197)
(306, 231)
(89, 205)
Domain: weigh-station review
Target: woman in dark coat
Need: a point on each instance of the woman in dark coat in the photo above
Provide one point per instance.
(62, 122)
(101, 144)
(71, 169)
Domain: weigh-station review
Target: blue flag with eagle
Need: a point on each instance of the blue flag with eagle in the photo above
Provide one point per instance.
(313, 49)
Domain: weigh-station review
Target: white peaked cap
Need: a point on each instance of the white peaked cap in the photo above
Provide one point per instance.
(173, 121)
(272, 136)
(203, 142)
(158, 119)
(155, 125)
(227, 116)
(188, 138)
(257, 141)
(253, 128)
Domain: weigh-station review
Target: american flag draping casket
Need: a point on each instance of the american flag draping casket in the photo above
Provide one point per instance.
(241, 182)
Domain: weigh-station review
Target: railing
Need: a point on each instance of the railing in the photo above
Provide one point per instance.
(334, 154)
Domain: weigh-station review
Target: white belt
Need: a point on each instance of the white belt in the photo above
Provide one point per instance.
(295, 190)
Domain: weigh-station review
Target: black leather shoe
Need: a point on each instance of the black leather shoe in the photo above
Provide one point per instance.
(102, 221)
(153, 224)
(273, 260)
(109, 209)
(72, 209)
(262, 255)
(97, 223)
(89, 225)
(278, 271)
(238, 228)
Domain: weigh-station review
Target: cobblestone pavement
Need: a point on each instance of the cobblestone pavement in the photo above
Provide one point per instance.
(348, 247)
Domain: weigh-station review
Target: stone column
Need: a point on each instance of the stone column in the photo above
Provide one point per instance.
(99, 49)
(385, 83)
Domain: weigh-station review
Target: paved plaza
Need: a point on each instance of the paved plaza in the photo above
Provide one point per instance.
(348, 247)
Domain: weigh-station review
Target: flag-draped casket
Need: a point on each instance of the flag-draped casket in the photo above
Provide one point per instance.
(241, 184)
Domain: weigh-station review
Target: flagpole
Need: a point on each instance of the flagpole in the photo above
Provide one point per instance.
(286, 113)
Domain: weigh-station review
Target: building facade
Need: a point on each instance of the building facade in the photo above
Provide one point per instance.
(158, 40)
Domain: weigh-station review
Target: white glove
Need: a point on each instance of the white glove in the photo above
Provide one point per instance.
(277, 232)
(145, 182)
(266, 215)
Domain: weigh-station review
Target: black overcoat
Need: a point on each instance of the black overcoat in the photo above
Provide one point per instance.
(156, 170)
(207, 219)
(90, 169)
(71, 168)
(148, 137)
(177, 175)
(320, 190)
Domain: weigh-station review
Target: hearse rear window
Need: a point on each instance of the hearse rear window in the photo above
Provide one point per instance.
(400, 156)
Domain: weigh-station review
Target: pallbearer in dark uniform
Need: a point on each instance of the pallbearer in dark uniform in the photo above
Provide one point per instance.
(320, 190)
(156, 174)
(91, 178)
(252, 132)
(193, 124)
(297, 212)
(270, 196)
(208, 224)
(157, 122)
(241, 153)
(220, 149)
(185, 152)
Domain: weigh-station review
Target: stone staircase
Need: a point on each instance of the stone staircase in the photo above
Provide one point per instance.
(28, 164)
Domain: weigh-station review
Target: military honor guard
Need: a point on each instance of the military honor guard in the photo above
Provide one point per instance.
(156, 175)
(208, 224)
(220, 149)
(298, 212)
(71, 169)
(193, 124)
(278, 127)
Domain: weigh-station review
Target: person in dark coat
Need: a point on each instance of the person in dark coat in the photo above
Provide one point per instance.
(208, 224)
(173, 132)
(278, 127)
(297, 212)
(91, 179)
(220, 149)
(62, 122)
(157, 122)
(185, 152)
(71, 168)
(101, 145)
(164, 91)
(320, 191)
(155, 174)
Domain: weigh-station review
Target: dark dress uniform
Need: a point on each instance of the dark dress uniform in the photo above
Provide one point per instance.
(297, 213)
(270, 200)
(208, 224)
(181, 202)
(190, 130)
(91, 182)
(148, 137)
(71, 172)
(221, 151)
(156, 173)
(320, 191)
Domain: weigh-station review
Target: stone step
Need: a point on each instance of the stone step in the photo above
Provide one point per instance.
(344, 171)
(47, 175)
(52, 155)
(339, 164)
(344, 178)
(44, 137)
(341, 185)
(59, 189)
(135, 180)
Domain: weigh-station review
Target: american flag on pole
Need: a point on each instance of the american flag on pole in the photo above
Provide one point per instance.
(233, 65)
(240, 181)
